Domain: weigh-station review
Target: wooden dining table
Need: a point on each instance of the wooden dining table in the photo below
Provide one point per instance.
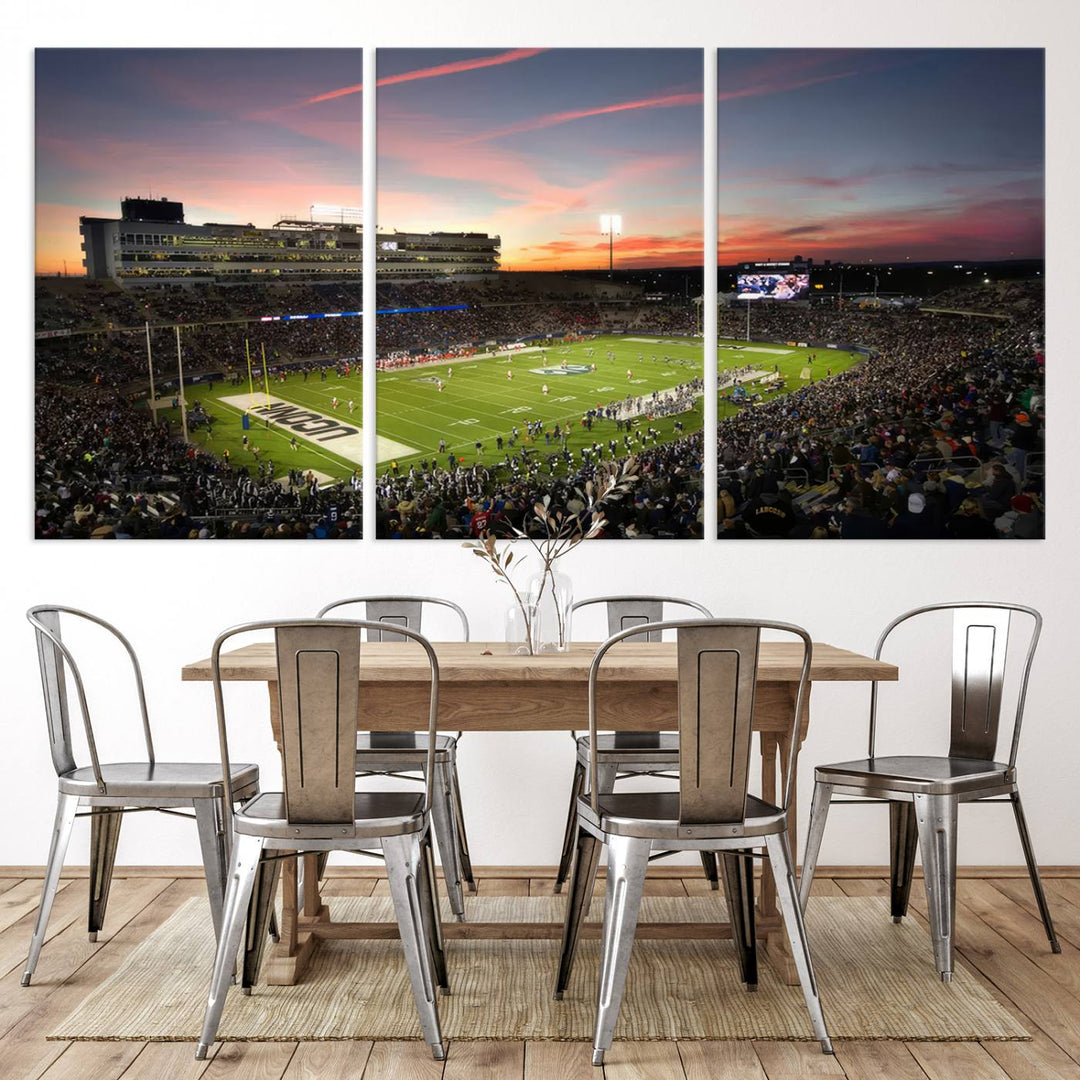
(485, 687)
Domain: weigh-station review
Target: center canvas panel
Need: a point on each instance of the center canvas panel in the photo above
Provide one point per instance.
(539, 270)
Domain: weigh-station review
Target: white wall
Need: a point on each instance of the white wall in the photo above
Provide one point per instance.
(173, 598)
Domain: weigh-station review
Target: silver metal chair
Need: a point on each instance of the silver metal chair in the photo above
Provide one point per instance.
(318, 663)
(711, 811)
(110, 790)
(924, 793)
(402, 754)
(627, 753)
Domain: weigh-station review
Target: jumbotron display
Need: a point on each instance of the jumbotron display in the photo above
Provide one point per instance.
(773, 286)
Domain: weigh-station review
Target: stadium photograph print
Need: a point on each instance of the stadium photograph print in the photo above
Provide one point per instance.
(539, 279)
(881, 316)
(198, 294)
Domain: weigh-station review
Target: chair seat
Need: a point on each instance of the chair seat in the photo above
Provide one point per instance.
(395, 746)
(921, 775)
(633, 748)
(655, 815)
(375, 813)
(163, 779)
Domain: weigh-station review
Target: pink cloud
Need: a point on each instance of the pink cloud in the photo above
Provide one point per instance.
(431, 73)
(664, 101)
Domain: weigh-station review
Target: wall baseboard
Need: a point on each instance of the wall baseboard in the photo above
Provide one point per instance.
(688, 870)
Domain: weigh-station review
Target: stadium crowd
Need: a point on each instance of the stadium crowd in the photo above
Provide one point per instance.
(937, 435)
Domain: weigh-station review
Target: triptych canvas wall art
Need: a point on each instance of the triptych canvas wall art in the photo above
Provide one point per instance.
(542, 294)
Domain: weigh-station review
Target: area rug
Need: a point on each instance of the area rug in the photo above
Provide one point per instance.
(877, 981)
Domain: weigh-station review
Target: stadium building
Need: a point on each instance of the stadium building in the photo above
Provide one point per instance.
(406, 256)
(151, 242)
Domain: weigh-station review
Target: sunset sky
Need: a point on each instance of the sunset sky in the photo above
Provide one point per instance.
(226, 132)
(845, 154)
(535, 144)
(881, 154)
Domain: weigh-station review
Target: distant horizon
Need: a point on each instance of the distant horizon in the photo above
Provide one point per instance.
(681, 268)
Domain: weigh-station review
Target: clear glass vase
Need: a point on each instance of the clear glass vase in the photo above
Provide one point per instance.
(553, 595)
(522, 623)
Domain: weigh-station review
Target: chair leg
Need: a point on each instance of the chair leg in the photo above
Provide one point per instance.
(66, 806)
(566, 859)
(936, 818)
(259, 913)
(815, 830)
(739, 893)
(212, 841)
(464, 858)
(246, 856)
(712, 873)
(428, 891)
(903, 842)
(104, 836)
(1033, 871)
(628, 860)
(787, 897)
(582, 880)
(606, 775)
(442, 821)
(403, 869)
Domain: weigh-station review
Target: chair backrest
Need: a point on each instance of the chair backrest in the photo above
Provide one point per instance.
(980, 640)
(54, 659)
(318, 670)
(624, 612)
(390, 611)
(717, 678)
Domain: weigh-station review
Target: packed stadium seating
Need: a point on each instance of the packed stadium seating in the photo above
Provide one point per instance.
(938, 433)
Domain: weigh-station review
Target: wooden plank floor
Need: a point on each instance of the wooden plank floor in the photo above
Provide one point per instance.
(998, 935)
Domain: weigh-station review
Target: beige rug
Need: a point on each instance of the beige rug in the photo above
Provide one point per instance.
(877, 981)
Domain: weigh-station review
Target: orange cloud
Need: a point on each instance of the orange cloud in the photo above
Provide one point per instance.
(431, 72)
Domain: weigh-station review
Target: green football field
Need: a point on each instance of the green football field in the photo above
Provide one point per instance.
(798, 366)
(478, 402)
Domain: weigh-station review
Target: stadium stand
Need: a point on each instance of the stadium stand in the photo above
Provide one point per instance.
(939, 433)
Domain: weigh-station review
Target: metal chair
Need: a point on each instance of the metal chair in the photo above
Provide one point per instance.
(402, 754)
(318, 663)
(627, 753)
(711, 811)
(110, 790)
(924, 793)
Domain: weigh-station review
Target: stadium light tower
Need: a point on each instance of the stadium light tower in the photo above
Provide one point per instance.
(611, 226)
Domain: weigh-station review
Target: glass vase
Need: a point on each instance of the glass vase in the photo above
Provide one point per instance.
(522, 623)
(553, 595)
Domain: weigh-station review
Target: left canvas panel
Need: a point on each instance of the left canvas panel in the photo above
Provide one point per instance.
(198, 293)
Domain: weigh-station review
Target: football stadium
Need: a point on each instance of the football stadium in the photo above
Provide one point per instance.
(827, 413)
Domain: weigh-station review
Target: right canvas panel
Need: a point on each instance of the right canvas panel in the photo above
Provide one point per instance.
(881, 319)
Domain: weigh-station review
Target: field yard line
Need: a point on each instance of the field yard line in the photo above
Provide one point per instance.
(272, 430)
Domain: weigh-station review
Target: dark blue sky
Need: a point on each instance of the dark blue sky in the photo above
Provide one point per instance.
(881, 154)
(536, 144)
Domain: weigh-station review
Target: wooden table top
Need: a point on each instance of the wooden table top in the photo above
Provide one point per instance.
(483, 662)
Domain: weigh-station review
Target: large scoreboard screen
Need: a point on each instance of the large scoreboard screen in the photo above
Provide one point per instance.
(772, 285)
